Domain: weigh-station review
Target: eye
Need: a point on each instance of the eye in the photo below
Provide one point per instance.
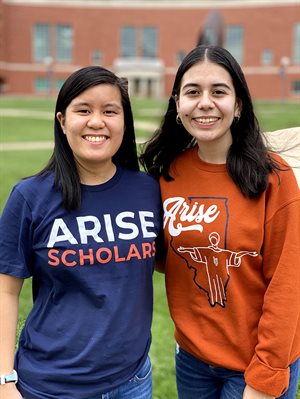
(83, 111)
(192, 92)
(219, 92)
(111, 112)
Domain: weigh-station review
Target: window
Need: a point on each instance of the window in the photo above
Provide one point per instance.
(42, 85)
(128, 42)
(52, 43)
(96, 57)
(41, 42)
(234, 38)
(64, 43)
(149, 42)
(59, 83)
(296, 54)
(296, 87)
(267, 57)
(138, 42)
(180, 56)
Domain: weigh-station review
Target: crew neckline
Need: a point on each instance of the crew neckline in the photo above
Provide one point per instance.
(104, 186)
(203, 165)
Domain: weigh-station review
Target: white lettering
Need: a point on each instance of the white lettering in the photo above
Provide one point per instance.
(84, 232)
(146, 223)
(125, 225)
(177, 211)
(55, 237)
(109, 228)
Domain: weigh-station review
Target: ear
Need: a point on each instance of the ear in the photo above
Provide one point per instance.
(61, 120)
(238, 107)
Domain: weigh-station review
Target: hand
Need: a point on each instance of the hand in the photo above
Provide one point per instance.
(250, 393)
(9, 391)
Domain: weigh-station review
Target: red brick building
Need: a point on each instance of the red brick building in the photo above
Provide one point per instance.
(43, 41)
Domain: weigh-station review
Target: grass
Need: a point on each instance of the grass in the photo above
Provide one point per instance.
(275, 116)
(16, 164)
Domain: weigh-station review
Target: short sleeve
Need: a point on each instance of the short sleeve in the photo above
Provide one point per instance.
(16, 232)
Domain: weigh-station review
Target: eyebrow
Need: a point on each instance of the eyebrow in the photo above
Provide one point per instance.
(86, 104)
(187, 85)
(81, 104)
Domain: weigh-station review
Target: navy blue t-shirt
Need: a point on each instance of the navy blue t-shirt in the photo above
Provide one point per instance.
(89, 328)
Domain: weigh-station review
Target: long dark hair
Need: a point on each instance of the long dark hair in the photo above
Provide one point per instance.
(62, 162)
(248, 161)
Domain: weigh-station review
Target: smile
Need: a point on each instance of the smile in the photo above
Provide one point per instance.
(206, 120)
(95, 139)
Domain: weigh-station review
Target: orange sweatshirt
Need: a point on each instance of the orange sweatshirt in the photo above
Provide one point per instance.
(233, 271)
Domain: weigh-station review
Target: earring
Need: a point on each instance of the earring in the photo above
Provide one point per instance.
(178, 120)
(236, 118)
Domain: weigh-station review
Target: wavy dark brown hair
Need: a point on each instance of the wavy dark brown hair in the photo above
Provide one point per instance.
(248, 161)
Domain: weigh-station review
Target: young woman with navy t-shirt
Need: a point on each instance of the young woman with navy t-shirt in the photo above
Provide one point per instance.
(84, 228)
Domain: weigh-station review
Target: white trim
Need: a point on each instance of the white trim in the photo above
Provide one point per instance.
(27, 67)
(254, 70)
(158, 4)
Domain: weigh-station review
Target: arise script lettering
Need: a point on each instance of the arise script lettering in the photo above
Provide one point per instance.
(177, 212)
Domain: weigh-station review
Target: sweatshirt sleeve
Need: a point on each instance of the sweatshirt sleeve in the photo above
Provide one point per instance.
(278, 331)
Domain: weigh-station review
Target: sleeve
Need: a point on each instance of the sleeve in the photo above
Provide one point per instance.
(16, 232)
(279, 327)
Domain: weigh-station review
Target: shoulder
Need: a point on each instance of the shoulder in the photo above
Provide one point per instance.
(35, 191)
(35, 185)
(30, 199)
(285, 172)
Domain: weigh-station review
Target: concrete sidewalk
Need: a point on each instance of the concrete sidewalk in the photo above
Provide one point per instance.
(286, 142)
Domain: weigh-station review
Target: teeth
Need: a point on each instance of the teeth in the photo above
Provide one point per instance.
(207, 120)
(95, 139)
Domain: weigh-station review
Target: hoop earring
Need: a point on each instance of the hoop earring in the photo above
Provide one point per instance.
(236, 119)
(178, 120)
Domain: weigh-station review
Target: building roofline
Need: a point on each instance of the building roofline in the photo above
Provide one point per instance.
(158, 4)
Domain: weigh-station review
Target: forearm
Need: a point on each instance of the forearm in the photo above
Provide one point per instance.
(250, 393)
(9, 298)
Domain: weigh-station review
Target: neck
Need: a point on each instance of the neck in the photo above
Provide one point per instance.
(215, 157)
(214, 151)
(94, 176)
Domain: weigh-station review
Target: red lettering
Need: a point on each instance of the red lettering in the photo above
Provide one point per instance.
(52, 255)
(146, 246)
(108, 253)
(89, 257)
(64, 258)
(116, 252)
(154, 248)
(133, 252)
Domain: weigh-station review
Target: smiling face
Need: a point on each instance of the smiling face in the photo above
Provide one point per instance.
(94, 126)
(207, 105)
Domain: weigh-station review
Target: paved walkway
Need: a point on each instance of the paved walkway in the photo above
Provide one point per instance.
(285, 141)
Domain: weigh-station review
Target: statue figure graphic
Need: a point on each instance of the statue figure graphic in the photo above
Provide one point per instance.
(211, 267)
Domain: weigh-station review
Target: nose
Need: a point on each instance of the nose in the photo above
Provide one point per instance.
(205, 102)
(96, 121)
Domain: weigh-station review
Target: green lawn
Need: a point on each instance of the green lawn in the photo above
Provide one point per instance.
(36, 124)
